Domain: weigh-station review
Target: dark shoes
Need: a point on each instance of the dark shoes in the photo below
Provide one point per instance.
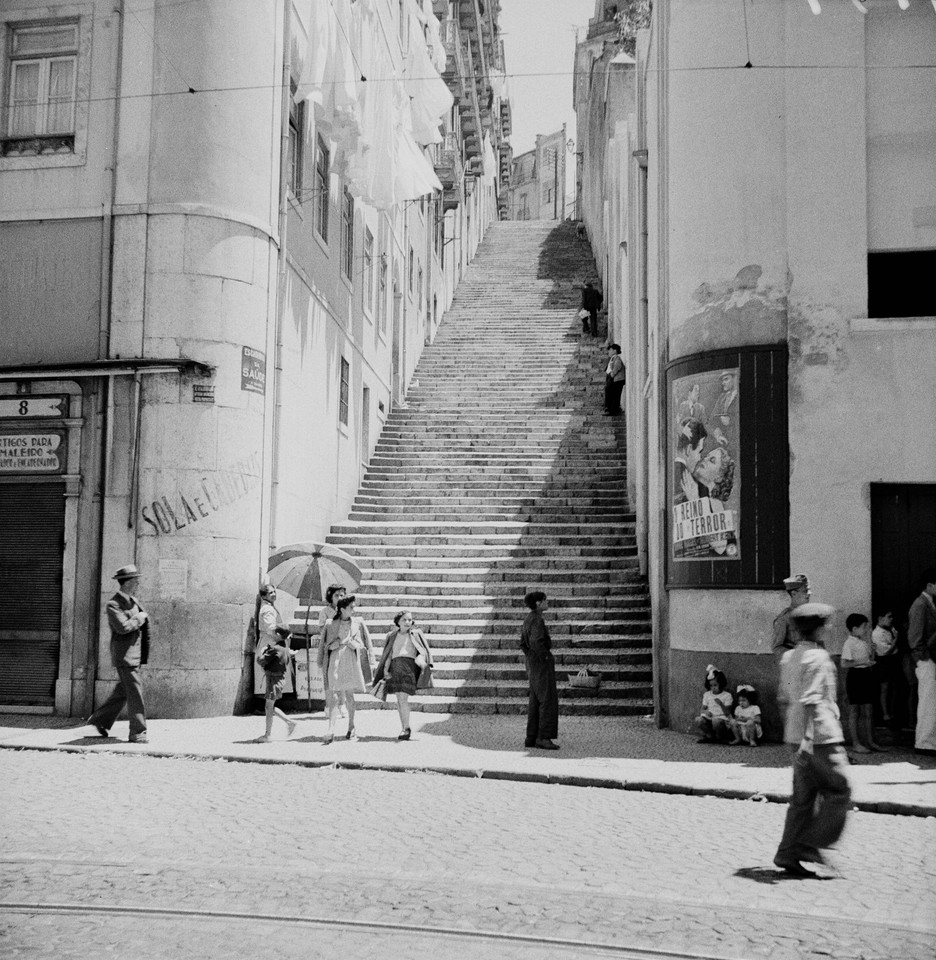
(405, 735)
(102, 731)
(142, 738)
(924, 752)
(546, 745)
(793, 867)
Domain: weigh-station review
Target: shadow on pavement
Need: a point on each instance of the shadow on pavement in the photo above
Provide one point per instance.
(581, 738)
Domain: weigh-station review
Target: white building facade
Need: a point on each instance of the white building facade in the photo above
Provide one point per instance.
(762, 199)
(209, 302)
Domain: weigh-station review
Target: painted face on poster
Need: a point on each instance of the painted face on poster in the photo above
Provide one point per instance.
(705, 482)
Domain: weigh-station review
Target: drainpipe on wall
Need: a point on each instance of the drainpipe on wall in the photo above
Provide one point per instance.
(106, 295)
(279, 311)
(136, 408)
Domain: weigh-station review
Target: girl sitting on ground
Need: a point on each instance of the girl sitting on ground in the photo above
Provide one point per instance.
(746, 722)
(716, 707)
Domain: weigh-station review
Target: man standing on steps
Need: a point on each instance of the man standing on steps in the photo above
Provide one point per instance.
(591, 301)
(543, 709)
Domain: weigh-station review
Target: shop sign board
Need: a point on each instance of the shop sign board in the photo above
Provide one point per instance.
(22, 407)
(253, 370)
(37, 452)
(309, 679)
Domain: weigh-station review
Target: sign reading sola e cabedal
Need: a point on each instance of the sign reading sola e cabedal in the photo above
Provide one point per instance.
(32, 452)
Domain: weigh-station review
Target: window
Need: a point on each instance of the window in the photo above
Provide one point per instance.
(41, 90)
(382, 296)
(347, 233)
(344, 392)
(411, 270)
(900, 283)
(294, 163)
(322, 163)
(419, 287)
(368, 270)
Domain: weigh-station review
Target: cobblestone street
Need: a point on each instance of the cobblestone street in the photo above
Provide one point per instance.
(259, 859)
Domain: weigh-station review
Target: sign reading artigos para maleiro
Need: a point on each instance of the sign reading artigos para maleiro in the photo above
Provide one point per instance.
(31, 452)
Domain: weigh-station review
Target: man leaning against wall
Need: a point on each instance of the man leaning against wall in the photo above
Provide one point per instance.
(921, 636)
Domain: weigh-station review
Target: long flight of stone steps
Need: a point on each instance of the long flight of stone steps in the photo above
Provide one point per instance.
(500, 475)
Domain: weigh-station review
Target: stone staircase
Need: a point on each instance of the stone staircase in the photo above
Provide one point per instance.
(502, 475)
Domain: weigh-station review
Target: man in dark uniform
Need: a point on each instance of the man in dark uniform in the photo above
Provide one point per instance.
(129, 626)
(785, 633)
(591, 301)
(543, 708)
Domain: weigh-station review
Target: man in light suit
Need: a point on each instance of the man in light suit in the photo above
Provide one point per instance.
(129, 626)
(921, 636)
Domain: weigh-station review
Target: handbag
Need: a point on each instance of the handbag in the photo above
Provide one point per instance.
(379, 690)
(584, 678)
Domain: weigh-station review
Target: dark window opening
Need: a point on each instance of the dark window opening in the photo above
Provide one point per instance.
(901, 283)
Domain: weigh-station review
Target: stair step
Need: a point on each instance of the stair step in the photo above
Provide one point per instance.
(497, 475)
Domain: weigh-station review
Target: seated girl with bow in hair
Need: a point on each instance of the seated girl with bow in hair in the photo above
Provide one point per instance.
(716, 707)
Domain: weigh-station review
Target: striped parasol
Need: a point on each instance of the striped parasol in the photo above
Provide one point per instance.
(306, 569)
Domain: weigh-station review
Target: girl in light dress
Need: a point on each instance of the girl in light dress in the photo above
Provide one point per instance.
(332, 595)
(346, 641)
(716, 707)
(746, 722)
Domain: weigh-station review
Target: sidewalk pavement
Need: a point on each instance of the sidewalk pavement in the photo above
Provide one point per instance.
(627, 753)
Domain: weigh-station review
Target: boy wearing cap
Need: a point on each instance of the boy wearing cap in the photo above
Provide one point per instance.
(821, 793)
(129, 626)
(785, 634)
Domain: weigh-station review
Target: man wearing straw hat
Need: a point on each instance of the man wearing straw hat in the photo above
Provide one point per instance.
(129, 626)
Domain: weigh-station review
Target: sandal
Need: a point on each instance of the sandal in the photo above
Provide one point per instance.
(351, 735)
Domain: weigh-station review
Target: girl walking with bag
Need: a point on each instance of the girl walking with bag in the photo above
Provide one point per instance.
(406, 665)
(346, 641)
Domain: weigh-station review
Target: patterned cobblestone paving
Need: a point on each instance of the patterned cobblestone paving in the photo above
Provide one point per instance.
(433, 853)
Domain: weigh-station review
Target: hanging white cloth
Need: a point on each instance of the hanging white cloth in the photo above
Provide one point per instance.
(375, 116)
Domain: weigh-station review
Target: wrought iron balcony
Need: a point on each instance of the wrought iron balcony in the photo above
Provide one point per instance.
(448, 168)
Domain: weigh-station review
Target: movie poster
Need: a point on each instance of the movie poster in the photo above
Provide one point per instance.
(706, 483)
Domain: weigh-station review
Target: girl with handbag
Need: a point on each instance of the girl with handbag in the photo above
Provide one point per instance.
(406, 665)
(346, 642)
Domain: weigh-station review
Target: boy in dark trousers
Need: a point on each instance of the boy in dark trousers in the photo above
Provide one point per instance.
(591, 301)
(543, 709)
